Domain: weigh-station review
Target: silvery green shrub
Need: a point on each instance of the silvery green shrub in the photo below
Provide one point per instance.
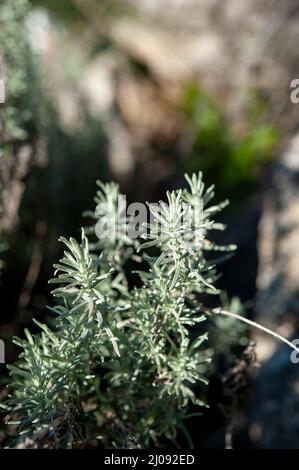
(122, 361)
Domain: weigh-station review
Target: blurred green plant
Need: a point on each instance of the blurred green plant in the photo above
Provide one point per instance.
(67, 11)
(228, 160)
(21, 114)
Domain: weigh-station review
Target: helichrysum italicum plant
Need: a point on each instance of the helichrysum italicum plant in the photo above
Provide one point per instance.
(122, 362)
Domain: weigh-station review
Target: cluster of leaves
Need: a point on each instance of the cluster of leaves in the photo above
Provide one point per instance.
(124, 362)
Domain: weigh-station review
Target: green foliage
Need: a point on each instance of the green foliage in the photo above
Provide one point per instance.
(117, 245)
(124, 362)
(57, 366)
(67, 11)
(229, 160)
(21, 89)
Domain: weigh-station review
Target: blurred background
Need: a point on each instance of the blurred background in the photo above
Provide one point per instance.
(141, 92)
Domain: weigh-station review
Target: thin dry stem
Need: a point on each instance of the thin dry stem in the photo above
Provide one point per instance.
(220, 311)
